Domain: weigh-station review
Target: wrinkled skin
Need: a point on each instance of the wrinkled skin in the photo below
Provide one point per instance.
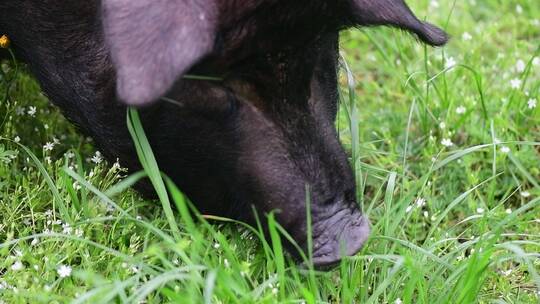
(257, 137)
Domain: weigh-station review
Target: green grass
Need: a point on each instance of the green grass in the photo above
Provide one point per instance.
(458, 224)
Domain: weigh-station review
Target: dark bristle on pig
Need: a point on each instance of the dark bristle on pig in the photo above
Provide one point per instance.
(256, 134)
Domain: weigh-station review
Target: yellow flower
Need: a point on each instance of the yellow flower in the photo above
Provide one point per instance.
(4, 42)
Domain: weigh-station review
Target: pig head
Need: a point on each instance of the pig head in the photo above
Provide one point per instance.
(255, 132)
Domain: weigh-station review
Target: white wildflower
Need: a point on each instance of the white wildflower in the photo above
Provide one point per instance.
(97, 158)
(466, 36)
(525, 194)
(17, 139)
(217, 245)
(521, 66)
(536, 61)
(64, 271)
(461, 110)
(420, 202)
(49, 146)
(480, 210)
(442, 125)
(409, 209)
(531, 103)
(505, 150)
(450, 62)
(18, 265)
(398, 301)
(508, 211)
(77, 186)
(515, 83)
(66, 228)
(32, 111)
(79, 232)
(34, 242)
(447, 142)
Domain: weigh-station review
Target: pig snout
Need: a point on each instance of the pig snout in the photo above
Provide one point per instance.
(342, 232)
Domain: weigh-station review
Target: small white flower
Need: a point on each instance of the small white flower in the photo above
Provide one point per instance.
(17, 139)
(461, 110)
(226, 263)
(450, 62)
(32, 111)
(79, 232)
(519, 9)
(49, 146)
(480, 210)
(217, 245)
(398, 301)
(531, 103)
(64, 271)
(521, 66)
(36, 267)
(77, 186)
(409, 209)
(97, 158)
(426, 214)
(116, 166)
(34, 242)
(70, 154)
(536, 61)
(508, 211)
(525, 194)
(442, 125)
(505, 150)
(275, 290)
(135, 269)
(66, 229)
(18, 265)
(420, 202)
(447, 142)
(515, 83)
(46, 126)
(466, 36)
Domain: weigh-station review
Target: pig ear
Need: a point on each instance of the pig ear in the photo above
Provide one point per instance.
(396, 13)
(154, 42)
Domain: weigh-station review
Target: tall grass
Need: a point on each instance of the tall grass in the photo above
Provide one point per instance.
(451, 224)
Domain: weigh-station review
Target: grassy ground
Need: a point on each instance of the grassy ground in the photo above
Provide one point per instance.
(446, 149)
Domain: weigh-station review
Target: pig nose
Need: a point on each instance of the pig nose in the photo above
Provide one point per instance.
(339, 235)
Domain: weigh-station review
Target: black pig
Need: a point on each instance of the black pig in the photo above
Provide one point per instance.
(257, 136)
